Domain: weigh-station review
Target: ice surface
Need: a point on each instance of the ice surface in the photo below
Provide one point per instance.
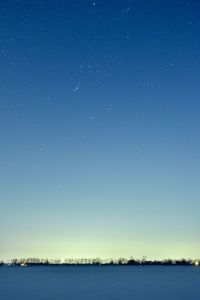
(100, 282)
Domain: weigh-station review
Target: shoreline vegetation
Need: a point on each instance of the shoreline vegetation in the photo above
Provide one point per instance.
(24, 262)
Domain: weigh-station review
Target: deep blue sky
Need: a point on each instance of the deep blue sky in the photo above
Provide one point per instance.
(99, 128)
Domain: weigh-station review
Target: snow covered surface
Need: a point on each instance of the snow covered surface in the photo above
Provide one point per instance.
(100, 282)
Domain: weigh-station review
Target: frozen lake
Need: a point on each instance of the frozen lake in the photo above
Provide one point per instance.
(100, 282)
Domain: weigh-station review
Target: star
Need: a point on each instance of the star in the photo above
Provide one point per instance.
(76, 88)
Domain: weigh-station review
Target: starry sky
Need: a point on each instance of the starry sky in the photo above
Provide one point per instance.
(99, 128)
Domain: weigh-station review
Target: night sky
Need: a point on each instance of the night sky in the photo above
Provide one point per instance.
(99, 128)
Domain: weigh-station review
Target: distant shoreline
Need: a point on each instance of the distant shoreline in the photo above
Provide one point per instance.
(34, 262)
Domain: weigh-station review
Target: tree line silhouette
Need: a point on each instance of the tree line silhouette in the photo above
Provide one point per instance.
(97, 261)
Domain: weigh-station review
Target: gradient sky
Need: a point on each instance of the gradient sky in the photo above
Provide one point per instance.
(99, 128)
